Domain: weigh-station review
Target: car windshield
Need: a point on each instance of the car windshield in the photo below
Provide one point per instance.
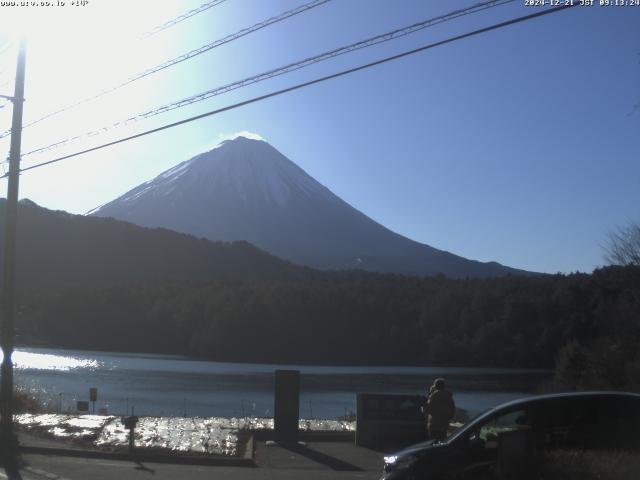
(468, 427)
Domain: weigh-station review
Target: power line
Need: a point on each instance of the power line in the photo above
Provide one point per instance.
(306, 84)
(385, 37)
(180, 18)
(186, 56)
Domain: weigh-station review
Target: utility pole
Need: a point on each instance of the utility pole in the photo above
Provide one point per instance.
(9, 273)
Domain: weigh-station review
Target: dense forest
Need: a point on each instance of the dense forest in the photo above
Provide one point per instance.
(589, 323)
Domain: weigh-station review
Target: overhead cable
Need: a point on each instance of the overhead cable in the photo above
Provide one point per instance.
(385, 37)
(181, 58)
(306, 84)
(180, 18)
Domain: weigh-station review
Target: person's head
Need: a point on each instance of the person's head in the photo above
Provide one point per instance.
(438, 384)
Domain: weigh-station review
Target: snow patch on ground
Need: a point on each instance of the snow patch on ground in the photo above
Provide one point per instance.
(202, 435)
(79, 427)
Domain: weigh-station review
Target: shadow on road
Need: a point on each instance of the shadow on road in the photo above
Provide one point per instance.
(144, 468)
(319, 457)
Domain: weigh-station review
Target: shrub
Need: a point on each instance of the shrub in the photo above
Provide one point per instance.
(25, 401)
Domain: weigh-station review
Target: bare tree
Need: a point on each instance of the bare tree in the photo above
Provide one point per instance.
(623, 246)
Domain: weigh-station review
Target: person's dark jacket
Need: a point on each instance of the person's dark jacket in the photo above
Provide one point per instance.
(440, 410)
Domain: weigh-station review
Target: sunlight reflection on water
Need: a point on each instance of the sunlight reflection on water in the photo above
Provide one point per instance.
(44, 361)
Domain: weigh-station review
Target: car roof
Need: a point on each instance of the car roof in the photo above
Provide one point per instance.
(522, 402)
(535, 399)
(565, 395)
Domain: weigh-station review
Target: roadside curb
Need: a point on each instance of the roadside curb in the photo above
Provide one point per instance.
(310, 436)
(245, 460)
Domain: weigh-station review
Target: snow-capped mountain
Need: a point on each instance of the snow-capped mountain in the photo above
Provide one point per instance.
(245, 189)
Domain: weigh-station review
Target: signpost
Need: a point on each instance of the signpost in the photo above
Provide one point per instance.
(93, 396)
(130, 423)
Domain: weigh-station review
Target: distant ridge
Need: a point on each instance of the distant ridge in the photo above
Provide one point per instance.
(245, 189)
(57, 250)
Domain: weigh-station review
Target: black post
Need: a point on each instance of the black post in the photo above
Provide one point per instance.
(131, 440)
(286, 409)
(8, 286)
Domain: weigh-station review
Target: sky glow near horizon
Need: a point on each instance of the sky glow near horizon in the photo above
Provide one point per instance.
(518, 146)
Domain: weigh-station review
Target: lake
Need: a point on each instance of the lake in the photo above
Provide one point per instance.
(177, 386)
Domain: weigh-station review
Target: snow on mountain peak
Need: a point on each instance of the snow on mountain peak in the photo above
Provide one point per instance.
(248, 168)
(251, 164)
(242, 134)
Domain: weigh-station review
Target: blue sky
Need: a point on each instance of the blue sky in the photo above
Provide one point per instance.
(518, 146)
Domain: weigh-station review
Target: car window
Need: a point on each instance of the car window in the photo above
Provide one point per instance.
(584, 423)
(564, 423)
(616, 425)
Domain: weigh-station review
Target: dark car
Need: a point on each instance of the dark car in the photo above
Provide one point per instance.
(584, 420)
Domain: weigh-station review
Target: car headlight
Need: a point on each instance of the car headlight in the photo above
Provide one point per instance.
(395, 462)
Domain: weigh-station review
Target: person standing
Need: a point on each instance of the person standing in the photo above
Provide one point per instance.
(439, 410)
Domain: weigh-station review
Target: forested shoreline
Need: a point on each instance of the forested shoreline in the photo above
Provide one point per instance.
(590, 323)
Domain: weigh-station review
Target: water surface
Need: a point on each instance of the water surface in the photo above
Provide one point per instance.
(178, 386)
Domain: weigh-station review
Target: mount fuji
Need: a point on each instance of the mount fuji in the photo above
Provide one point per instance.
(245, 189)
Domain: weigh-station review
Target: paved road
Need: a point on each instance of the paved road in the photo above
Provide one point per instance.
(314, 461)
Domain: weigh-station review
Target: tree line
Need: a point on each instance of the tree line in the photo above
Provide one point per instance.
(589, 323)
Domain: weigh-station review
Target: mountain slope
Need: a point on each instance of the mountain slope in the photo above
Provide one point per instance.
(246, 190)
(57, 249)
